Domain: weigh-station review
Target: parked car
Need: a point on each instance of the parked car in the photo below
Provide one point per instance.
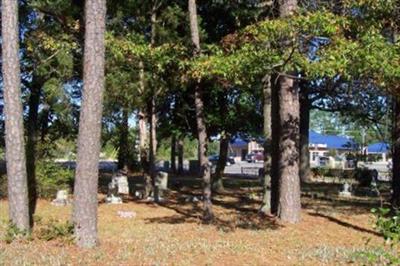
(213, 159)
(255, 157)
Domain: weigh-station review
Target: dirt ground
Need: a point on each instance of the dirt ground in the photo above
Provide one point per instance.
(331, 233)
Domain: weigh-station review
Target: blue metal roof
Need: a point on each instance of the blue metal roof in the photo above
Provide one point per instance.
(332, 141)
(379, 147)
(238, 142)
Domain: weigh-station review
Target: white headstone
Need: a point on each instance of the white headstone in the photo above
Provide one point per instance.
(346, 190)
(118, 186)
(113, 200)
(122, 184)
(61, 198)
(126, 214)
(162, 180)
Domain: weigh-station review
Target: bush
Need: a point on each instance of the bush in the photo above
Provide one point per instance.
(320, 171)
(388, 224)
(364, 177)
(52, 177)
(54, 229)
(13, 233)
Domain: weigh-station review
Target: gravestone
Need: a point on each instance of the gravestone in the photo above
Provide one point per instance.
(346, 190)
(118, 186)
(166, 165)
(373, 188)
(194, 166)
(61, 198)
(126, 214)
(122, 184)
(112, 199)
(161, 184)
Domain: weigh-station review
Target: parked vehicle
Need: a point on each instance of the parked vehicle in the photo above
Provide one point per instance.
(213, 159)
(255, 157)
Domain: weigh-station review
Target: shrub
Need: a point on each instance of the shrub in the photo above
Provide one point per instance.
(52, 177)
(320, 171)
(55, 229)
(13, 233)
(364, 176)
(388, 224)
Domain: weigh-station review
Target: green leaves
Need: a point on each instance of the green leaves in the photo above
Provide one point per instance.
(284, 44)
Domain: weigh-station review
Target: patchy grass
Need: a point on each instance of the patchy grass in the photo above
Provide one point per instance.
(331, 233)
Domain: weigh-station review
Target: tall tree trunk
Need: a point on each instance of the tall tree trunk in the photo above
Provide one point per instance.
(200, 120)
(143, 151)
(143, 141)
(152, 109)
(153, 145)
(173, 153)
(289, 193)
(123, 151)
(287, 7)
(32, 128)
(266, 203)
(289, 186)
(275, 155)
(86, 177)
(396, 154)
(44, 122)
(305, 171)
(180, 155)
(15, 147)
(217, 184)
(153, 136)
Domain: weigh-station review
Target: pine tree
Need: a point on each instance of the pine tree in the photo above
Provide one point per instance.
(86, 178)
(201, 126)
(15, 148)
(289, 119)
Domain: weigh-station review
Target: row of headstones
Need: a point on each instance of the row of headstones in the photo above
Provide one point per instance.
(117, 188)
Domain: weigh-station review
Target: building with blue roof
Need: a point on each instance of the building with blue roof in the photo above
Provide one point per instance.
(380, 149)
(240, 147)
(320, 145)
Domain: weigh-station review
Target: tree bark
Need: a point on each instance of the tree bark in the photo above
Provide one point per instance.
(288, 165)
(143, 151)
(180, 156)
(396, 154)
(217, 184)
(152, 109)
(32, 137)
(44, 123)
(86, 177)
(275, 155)
(287, 7)
(15, 147)
(289, 193)
(173, 153)
(305, 171)
(123, 151)
(266, 202)
(153, 138)
(143, 140)
(200, 120)
(153, 147)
